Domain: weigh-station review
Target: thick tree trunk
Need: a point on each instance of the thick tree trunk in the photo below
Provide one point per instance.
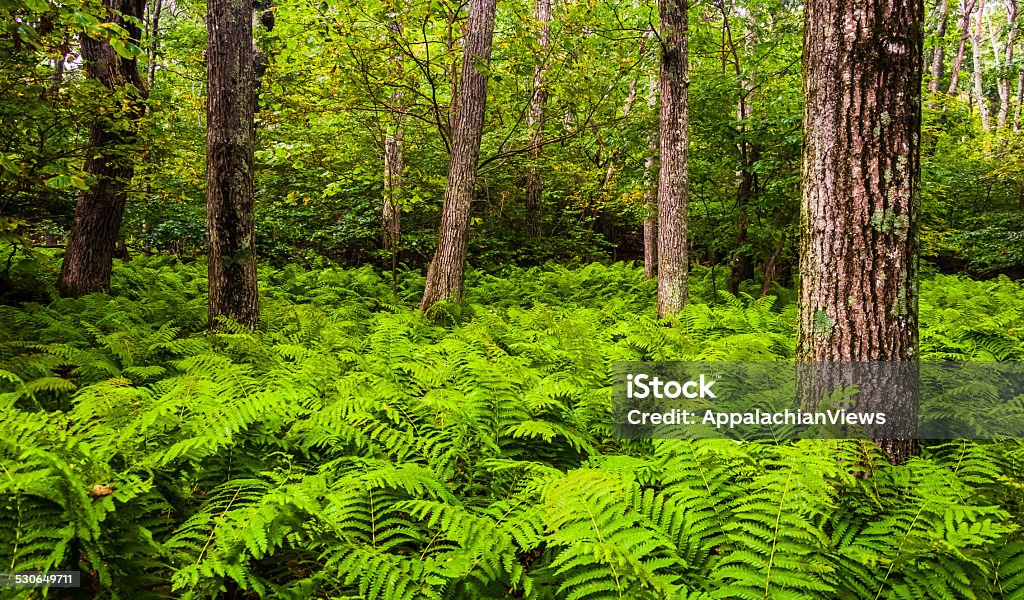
(966, 8)
(230, 106)
(1005, 83)
(859, 219)
(110, 158)
(978, 72)
(535, 123)
(939, 56)
(673, 155)
(445, 275)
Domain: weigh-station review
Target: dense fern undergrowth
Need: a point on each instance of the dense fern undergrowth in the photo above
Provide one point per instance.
(353, 448)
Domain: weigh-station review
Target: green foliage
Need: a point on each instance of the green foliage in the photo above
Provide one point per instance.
(355, 449)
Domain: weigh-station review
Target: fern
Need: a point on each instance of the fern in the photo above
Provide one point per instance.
(354, 449)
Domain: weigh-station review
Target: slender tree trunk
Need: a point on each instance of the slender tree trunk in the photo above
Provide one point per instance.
(535, 123)
(672, 176)
(1020, 101)
(1005, 84)
(651, 195)
(154, 41)
(447, 269)
(939, 56)
(859, 218)
(966, 8)
(394, 165)
(230, 107)
(979, 67)
(742, 267)
(771, 265)
(110, 158)
(59, 65)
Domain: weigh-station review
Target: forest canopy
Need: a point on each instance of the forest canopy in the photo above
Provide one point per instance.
(342, 79)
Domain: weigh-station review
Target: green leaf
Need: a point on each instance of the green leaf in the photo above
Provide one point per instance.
(8, 164)
(63, 182)
(125, 49)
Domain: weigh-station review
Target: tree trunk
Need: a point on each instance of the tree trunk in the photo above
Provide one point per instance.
(966, 8)
(535, 123)
(445, 275)
(1005, 84)
(859, 221)
(154, 41)
(771, 265)
(394, 162)
(230, 106)
(1020, 102)
(394, 165)
(979, 84)
(110, 158)
(742, 267)
(674, 147)
(939, 56)
(650, 196)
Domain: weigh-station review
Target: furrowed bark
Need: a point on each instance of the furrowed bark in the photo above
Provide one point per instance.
(673, 154)
(859, 217)
(447, 269)
(230, 108)
(110, 158)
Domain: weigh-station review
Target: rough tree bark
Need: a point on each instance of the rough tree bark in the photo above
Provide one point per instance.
(230, 107)
(651, 195)
(535, 123)
(939, 56)
(110, 158)
(445, 275)
(861, 177)
(978, 72)
(673, 155)
(966, 8)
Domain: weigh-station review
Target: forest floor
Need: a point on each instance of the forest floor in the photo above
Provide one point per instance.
(355, 448)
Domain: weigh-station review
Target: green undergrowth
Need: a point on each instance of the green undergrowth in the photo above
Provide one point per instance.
(354, 448)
